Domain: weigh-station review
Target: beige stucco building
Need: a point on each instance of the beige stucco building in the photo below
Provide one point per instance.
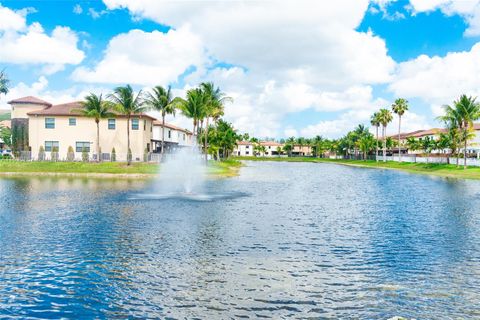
(174, 137)
(62, 126)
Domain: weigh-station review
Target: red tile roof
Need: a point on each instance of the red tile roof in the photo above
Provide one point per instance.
(69, 109)
(271, 144)
(244, 143)
(30, 100)
(171, 126)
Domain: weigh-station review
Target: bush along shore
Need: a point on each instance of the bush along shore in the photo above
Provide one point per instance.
(227, 168)
(441, 170)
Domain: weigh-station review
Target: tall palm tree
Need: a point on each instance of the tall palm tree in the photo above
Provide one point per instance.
(469, 111)
(193, 107)
(400, 106)
(385, 117)
(4, 82)
(97, 108)
(464, 112)
(375, 121)
(127, 103)
(215, 106)
(160, 99)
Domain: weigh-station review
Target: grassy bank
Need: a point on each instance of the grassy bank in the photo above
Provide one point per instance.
(105, 169)
(442, 170)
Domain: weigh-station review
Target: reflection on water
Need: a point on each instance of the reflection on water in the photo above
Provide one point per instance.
(302, 241)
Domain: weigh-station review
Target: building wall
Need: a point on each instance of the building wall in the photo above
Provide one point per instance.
(20, 110)
(85, 130)
(176, 136)
(243, 150)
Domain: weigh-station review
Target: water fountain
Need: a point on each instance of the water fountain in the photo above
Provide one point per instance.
(182, 175)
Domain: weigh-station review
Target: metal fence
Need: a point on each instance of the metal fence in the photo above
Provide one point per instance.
(413, 158)
(83, 157)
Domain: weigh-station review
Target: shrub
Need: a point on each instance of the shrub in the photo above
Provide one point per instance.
(129, 155)
(114, 155)
(41, 154)
(70, 154)
(145, 155)
(84, 154)
(54, 154)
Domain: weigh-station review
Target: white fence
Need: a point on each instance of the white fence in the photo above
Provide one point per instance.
(78, 157)
(412, 158)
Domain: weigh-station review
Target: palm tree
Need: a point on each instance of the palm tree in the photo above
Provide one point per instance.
(215, 106)
(465, 111)
(161, 100)
(399, 107)
(4, 82)
(194, 107)
(95, 107)
(127, 103)
(385, 117)
(375, 121)
(300, 142)
(290, 142)
(366, 145)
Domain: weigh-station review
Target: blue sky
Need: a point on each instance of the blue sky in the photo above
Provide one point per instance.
(293, 68)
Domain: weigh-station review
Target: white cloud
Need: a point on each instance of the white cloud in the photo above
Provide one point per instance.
(468, 9)
(40, 89)
(146, 58)
(77, 9)
(288, 56)
(22, 44)
(439, 80)
(11, 20)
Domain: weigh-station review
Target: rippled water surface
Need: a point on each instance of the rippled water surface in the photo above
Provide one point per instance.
(305, 241)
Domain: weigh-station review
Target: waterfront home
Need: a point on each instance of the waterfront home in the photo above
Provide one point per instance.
(174, 137)
(301, 150)
(247, 149)
(61, 127)
(244, 149)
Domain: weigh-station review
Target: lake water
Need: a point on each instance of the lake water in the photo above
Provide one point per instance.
(309, 241)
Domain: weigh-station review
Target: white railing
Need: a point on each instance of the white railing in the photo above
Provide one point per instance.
(412, 158)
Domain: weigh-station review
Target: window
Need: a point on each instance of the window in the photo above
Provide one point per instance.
(49, 145)
(72, 121)
(246, 147)
(247, 152)
(49, 123)
(111, 124)
(144, 125)
(134, 124)
(169, 134)
(79, 145)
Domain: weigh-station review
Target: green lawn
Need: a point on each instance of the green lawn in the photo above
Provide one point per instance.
(5, 116)
(443, 170)
(223, 168)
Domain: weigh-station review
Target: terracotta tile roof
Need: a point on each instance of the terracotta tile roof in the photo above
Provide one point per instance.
(68, 109)
(244, 143)
(271, 144)
(30, 100)
(171, 126)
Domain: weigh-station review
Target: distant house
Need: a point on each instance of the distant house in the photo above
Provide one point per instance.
(174, 137)
(61, 126)
(247, 149)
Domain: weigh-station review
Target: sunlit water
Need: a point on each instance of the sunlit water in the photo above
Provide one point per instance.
(304, 241)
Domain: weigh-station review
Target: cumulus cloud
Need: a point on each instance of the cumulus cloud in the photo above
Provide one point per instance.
(284, 56)
(439, 80)
(146, 58)
(468, 9)
(40, 88)
(22, 44)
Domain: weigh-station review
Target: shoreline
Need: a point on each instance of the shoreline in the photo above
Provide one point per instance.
(437, 170)
(105, 170)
